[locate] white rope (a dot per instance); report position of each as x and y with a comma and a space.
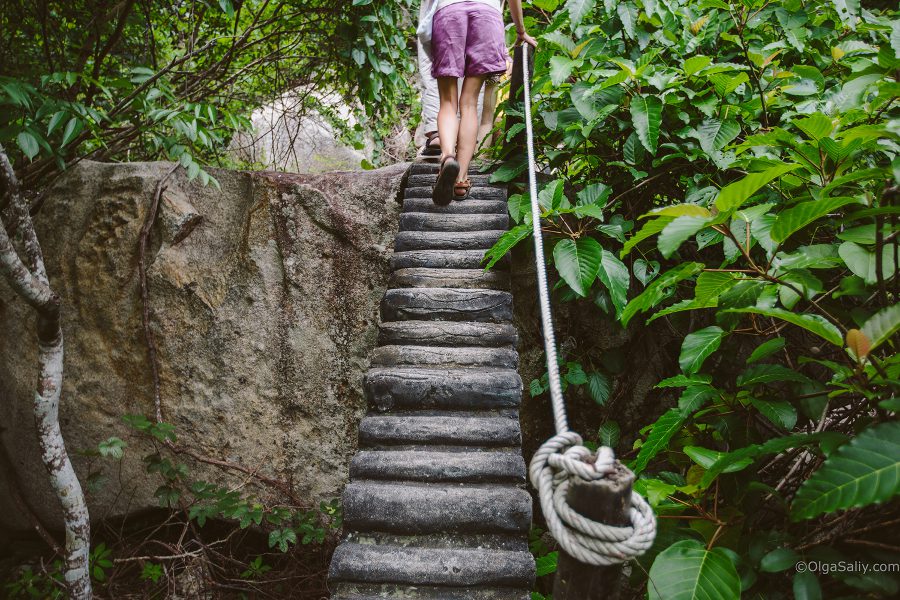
564, 456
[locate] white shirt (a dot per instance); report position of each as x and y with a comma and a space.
495, 4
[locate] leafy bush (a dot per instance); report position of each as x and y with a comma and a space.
731, 168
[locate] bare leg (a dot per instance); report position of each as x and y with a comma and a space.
468, 123
448, 122
489, 107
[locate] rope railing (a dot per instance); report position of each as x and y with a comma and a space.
564, 457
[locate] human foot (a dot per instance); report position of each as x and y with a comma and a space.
444, 188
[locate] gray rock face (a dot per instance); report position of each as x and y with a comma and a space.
264, 303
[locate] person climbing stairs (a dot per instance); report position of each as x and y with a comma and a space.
436, 507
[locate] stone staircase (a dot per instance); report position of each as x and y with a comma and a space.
437, 507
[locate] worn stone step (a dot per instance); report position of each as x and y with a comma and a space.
351, 591
459, 570
446, 240
443, 304
444, 356
431, 168
450, 278
455, 389
429, 179
433, 466
410, 508
411, 429
470, 206
447, 333
425, 221
477, 193
443, 259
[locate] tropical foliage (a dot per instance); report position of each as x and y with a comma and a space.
730, 169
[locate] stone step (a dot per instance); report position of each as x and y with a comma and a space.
429, 179
447, 333
450, 278
446, 240
420, 429
352, 591
431, 168
433, 466
443, 259
444, 356
411, 508
453, 389
459, 570
442, 304
476, 193
425, 221
470, 206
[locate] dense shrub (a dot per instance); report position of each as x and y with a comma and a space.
729, 170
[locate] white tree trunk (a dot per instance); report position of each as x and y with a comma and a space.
31, 283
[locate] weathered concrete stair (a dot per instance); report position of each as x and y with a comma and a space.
436, 507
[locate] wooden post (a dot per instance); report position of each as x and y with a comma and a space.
605, 501
517, 97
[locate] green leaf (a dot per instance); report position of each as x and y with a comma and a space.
73, 128
778, 412
698, 346
881, 326
715, 134
28, 144
545, 565
649, 229
658, 288
677, 232
815, 126
646, 116
686, 570
660, 433
765, 373
862, 472
578, 262
806, 586
561, 69
713, 284
820, 326
779, 559
505, 244
609, 434
864, 262
766, 349
578, 9
799, 216
734, 195
695, 64
600, 387
614, 275
707, 458
694, 397
772, 446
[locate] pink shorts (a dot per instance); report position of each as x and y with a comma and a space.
468, 39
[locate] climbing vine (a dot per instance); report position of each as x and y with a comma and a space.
729, 170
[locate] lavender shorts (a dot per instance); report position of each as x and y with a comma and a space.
467, 40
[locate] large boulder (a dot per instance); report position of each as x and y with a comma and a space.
263, 302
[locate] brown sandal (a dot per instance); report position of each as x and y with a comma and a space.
431, 148
444, 187
462, 190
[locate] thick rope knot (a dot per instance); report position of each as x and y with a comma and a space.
554, 465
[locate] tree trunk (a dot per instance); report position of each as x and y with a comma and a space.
30, 282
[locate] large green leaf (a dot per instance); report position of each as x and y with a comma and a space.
677, 232
773, 446
686, 570
711, 284
864, 262
863, 472
732, 196
646, 116
560, 69
578, 262
649, 229
820, 326
505, 244
801, 215
614, 275
578, 9
882, 325
697, 347
660, 434
657, 289
715, 134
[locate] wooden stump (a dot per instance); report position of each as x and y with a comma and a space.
605, 501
